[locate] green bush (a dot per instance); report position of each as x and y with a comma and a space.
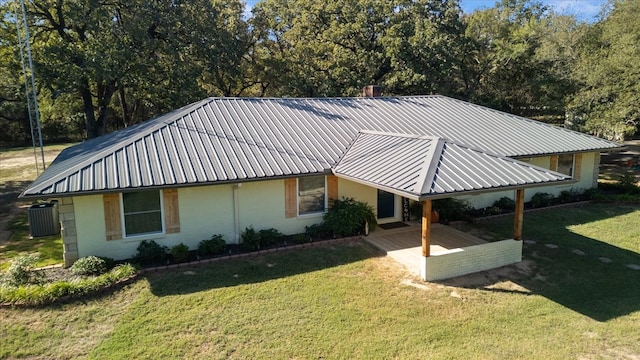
90, 265
300, 238
213, 246
317, 232
21, 271
250, 240
180, 253
451, 209
629, 183
270, 236
151, 253
541, 199
505, 203
38, 294
347, 217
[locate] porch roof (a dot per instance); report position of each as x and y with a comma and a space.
420, 167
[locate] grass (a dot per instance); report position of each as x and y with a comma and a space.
49, 247
346, 301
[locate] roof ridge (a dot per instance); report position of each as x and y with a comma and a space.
429, 166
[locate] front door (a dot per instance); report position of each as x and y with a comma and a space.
386, 204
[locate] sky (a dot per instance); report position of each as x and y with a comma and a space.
584, 10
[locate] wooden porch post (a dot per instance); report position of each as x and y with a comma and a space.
426, 227
519, 215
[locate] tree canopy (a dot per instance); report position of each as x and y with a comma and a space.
103, 65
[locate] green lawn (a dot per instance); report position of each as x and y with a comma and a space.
346, 301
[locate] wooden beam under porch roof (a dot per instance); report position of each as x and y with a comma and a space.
426, 227
519, 215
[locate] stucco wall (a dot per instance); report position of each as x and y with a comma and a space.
471, 259
204, 211
368, 195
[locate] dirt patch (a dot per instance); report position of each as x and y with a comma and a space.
501, 278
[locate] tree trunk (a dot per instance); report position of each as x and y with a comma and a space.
96, 126
88, 109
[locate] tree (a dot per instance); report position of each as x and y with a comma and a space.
14, 119
334, 48
608, 72
130, 60
502, 70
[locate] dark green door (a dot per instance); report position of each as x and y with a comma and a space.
386, 204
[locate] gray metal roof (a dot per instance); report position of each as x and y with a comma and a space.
238, 139
419, 167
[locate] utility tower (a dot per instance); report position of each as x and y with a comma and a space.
24, 45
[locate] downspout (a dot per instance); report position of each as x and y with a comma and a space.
236, 212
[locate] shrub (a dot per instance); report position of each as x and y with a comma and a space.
451, 209
541, 199
270, 236
629, 183
347, 217
213, 246
90, 265
180, 253
250, 239
21, 271
316, 232
151, 253
505, 203
300, 238
37, 294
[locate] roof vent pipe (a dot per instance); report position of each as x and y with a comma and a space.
372, 91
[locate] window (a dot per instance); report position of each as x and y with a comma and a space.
311, 195
142, 212
565, 164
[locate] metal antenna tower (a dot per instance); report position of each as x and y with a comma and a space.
29, 83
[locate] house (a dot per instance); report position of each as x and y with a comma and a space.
222, 164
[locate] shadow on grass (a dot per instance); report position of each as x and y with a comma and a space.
259, 268
573, 270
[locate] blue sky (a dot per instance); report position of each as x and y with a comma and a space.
584, 10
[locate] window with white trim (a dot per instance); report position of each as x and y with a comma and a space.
312, 195
565, 164
142, 212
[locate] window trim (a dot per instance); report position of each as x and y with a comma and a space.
142, 235
326, 199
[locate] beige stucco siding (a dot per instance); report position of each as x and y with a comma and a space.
368, 195
204, 211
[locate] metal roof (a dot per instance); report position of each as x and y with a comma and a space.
239, 139
419, 167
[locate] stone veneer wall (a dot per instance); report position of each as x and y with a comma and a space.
68, 230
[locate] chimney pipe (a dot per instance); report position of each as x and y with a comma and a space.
372, 91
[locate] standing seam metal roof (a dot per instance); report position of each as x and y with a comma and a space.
239, 139
418, 166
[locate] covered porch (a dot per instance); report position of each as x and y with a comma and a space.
423, 169
452, 252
